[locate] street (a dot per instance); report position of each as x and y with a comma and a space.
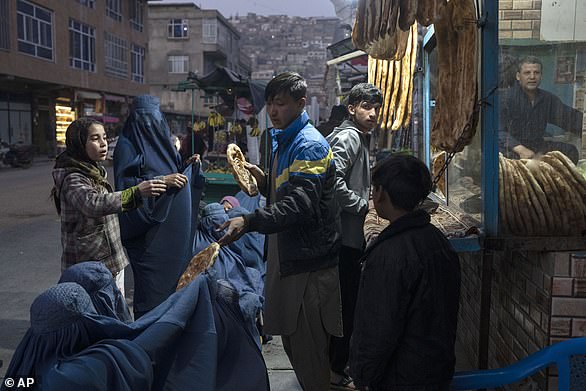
30, 248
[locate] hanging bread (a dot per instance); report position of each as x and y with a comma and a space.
456, 114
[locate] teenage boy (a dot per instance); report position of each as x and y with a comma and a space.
349, 143
302, 284
406, 313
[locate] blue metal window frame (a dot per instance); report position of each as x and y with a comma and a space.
489, 52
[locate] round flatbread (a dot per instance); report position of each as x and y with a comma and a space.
198, 264
243, 177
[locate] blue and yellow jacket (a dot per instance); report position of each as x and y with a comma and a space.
304, 213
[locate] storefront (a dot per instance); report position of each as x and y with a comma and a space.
15, 118
517, 218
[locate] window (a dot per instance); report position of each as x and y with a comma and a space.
137, 58
177, 28
82, 46
116, 50
35, 31
88, 3
210, 31
4, 25
114, 9
178, 64
137, 15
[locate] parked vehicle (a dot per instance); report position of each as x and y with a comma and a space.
17, 155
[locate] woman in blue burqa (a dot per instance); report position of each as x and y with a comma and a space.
158, 235
174, 344
197, 337
229, 265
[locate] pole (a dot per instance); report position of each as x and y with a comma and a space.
192, 122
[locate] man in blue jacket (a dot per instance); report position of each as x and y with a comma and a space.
302, 222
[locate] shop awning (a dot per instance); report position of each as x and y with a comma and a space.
346, 57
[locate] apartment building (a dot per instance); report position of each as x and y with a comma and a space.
186, 41
63, 59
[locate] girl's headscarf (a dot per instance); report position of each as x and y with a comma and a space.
98, 282
75, 158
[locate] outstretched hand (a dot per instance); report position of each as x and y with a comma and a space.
236, 228
152, 188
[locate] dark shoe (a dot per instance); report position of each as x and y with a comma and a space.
339, 382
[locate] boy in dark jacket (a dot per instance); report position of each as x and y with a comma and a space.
406, 313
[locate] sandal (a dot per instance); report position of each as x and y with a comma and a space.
343, 383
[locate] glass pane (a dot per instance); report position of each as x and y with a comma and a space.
541, 104
20, 24
25, 8
4, 136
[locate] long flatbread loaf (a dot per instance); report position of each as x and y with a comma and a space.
243, 177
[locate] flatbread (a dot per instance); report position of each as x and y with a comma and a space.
198, 264
243, 177
539, 197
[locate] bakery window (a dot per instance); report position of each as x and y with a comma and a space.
457, 175
64, 115
541, 87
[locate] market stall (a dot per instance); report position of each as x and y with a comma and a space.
517, 219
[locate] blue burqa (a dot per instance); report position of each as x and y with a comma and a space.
158, 235
241, 365
250, 247
97, 281
229, 266
178, 336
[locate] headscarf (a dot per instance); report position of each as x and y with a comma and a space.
147, 134
98, 282
75, 159
232, 200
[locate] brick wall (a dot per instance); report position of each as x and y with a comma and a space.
538, 299
469, 314
520, 307
568, 303
519, 19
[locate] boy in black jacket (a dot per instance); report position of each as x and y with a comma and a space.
406, 314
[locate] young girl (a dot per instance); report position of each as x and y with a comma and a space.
88, 207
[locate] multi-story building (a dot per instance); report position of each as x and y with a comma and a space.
185, 38
62, 59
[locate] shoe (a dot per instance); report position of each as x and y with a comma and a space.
339, 382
